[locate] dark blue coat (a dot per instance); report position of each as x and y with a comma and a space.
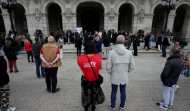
4, 78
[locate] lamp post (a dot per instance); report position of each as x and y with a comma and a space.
9, 5
168, 5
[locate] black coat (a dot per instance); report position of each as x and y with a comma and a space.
165, 41
36, 47
4, 78
173, 68
10, 52
106, 42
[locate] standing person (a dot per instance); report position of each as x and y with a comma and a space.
120, 62
36, 47
98, 44
4, 86
28, 47
147, 41
129, 41
88, 79
151, 40
78, 44
159, 41
135, 44
165, 43
170, 74
50, 56
2, 44
11, 55
106, 42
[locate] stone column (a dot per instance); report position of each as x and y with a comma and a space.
134, 23
170, 24
148, 22
110, 22
32, 24
44, 25
69, 21
7, 22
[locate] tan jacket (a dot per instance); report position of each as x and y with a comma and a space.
50, 53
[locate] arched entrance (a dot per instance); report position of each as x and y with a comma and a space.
20, 19
54, 17
158, 19
125, 17
90, 16
181, 22
2, 26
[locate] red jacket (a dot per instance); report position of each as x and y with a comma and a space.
28, 46
84, 64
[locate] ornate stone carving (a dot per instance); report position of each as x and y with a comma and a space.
37, 14
151, 3
141, 15
67, 1
36, 1
68, 14
111, 14
112, 2
27, 3
143, 2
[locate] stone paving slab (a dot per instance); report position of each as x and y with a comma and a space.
143, 90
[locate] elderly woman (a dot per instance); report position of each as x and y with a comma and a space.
11, 55
86, 62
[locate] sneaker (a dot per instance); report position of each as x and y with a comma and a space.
122, 109
16, 71
162, 106
170, 106
11, 109
111, 109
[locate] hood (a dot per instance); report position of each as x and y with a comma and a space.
120, 49
174, 56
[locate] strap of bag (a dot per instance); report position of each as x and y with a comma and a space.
92, 67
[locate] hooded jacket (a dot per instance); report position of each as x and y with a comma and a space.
173, 68
120, 62
4, 78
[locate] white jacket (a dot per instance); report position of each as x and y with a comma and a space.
120, 61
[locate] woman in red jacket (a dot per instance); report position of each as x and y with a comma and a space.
88, 77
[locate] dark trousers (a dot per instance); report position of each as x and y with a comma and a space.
135, 50
38, 64
51, 78
78, 51
164, 50
29, 53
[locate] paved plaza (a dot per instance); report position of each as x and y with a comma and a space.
28, 93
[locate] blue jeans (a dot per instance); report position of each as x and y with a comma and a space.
2, 52
164, 50
114, 93
38, 64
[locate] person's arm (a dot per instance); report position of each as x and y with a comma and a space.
43, 59
131, 64
56, 59
109, 64
166, 71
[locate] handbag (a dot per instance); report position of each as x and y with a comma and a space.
100, 97
100, 79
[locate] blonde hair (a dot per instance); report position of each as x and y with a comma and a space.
8, 42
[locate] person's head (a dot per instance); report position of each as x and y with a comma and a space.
97, 37
177, 45
37, 39
164, 35
120, 39
96, 33
174, 51
8, 42
51, 39
90, 47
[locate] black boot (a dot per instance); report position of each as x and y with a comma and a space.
93, 108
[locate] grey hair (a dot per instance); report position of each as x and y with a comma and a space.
51, 39
120, 39
175, 50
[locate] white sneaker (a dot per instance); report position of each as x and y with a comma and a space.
111, 109
122, 109
162, 106
176, 87
11, 109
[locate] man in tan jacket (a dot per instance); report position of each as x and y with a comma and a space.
50, 56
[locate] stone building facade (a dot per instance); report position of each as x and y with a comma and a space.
130, 15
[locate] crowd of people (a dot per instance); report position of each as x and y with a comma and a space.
46, 55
